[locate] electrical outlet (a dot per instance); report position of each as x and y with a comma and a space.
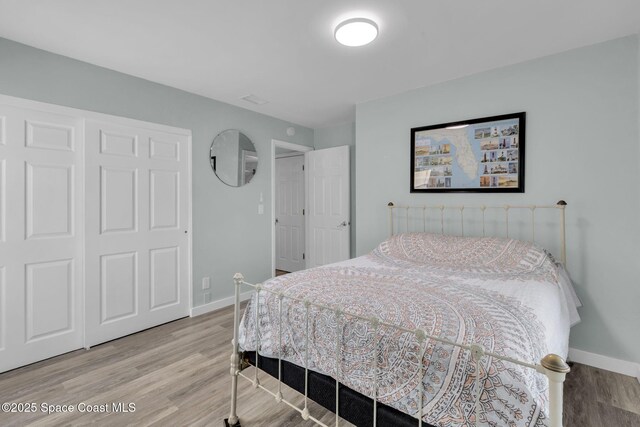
206, 283
207, 297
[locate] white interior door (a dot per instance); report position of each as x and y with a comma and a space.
290, 213
137, 247
40, 235
328, 195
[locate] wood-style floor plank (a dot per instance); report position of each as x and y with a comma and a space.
178, 374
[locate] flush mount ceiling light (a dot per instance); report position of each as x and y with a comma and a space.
356, 32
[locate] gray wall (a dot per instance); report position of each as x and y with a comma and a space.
582, 146
228, 234
336, 136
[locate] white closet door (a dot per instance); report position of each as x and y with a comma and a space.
40, 235
137, 216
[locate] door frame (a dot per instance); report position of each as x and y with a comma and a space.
289, 146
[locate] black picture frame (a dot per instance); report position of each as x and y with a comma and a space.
503, 180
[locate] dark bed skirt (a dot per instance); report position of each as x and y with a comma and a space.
354, 407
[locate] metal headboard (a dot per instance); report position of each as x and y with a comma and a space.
424, 212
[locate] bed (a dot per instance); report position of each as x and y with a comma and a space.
427, 329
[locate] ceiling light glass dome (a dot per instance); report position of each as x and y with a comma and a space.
356, 32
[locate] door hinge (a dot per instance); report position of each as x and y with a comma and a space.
302, 255
302, 167
302, 211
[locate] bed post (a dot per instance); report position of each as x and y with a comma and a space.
233, 420
556, 369
563, 238
390, 205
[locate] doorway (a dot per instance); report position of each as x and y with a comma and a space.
288, 206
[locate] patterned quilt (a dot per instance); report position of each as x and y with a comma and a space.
503, 294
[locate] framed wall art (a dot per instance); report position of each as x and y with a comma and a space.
478, 155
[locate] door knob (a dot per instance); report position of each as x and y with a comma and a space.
343, 224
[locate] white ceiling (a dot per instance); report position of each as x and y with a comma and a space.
284, 51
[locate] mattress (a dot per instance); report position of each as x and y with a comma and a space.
509, 296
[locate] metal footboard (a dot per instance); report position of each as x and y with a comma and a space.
553, 366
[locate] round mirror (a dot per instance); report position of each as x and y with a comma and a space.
233, 158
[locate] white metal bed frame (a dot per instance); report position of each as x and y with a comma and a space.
551, 365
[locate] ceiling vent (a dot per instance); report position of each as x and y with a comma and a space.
254, 99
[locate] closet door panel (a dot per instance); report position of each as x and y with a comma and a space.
164, 199
137, 264
49, 294
49, 200
118, 199
40, 247
118, 286
165, 277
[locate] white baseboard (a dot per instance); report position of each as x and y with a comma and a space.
218, 304
605, 362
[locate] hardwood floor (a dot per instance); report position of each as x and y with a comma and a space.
178, 374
